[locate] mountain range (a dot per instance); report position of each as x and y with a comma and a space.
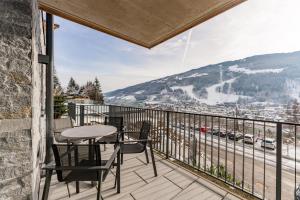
262, 78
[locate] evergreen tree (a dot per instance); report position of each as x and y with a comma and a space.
59, 100
81, 90
73, 87
93, 91
98, 92
60, 107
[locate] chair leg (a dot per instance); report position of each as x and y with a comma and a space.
122, 158
77, 187
99, 191
118, 173
47, 185
76, 163
99, 186
146, 153
115, 185
68, 190
153, 160
69, 153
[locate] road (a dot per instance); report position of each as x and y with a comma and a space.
253, 177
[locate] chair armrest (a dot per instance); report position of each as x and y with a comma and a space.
104, 142
129, 141
131, 132
112, 158
66, 168
52, 166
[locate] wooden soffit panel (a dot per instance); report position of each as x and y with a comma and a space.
143, 22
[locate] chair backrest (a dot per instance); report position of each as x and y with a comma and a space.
115, 121
145, 131
73, 155
62, 123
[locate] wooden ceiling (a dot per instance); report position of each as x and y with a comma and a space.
143, 22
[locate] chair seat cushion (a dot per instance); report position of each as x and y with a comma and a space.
132, 148
84, 175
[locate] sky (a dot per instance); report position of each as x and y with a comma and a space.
251, 28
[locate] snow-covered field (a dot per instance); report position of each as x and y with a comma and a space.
236, 68
188, 90
139, 92
196, 75
293, 89
213, 95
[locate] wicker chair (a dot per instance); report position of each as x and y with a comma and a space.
140, 145
81, 162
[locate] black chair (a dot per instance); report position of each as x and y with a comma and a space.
139, 145
119, 135
81, 162
59, 126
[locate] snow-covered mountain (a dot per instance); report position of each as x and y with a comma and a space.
263, 78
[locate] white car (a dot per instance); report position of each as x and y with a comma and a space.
249, 139
268, 143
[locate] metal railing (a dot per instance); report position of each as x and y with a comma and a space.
87, 114
216, 145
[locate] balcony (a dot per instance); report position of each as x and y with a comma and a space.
209, 146
138, 182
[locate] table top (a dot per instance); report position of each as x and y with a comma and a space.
89, 132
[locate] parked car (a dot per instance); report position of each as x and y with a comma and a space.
203, 130
235, 136
215, 131
268, 143
248, 138
211, 131
221, 133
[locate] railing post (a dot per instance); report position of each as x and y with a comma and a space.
81, 122
278, 159
110, 110
72, 110
168, 134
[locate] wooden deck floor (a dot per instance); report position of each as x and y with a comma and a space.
138, 183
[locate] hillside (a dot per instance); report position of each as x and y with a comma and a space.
262, 78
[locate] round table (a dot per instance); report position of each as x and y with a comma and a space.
89, 132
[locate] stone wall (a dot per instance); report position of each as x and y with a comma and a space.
22, 97
16, 163
15, 58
